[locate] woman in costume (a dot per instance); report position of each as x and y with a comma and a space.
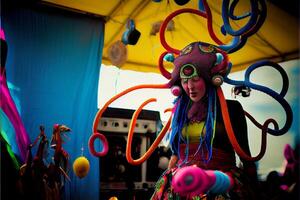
198, 135
205, 130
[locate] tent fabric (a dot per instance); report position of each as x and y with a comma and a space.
277, 40
53, 60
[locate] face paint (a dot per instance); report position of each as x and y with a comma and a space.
194, 87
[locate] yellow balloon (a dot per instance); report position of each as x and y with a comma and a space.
81, 166
113, 198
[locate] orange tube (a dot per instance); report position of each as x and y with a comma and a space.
100, 112
130, 136
231, 135
95, 135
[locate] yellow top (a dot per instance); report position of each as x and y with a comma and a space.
193, 131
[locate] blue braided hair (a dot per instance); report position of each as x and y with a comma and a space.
182, 105
210, 123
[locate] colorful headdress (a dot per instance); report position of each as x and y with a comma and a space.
208, 60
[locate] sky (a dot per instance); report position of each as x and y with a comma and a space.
114, 80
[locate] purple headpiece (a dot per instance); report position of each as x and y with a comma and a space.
208, 60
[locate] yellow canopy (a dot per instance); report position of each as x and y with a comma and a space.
277, 39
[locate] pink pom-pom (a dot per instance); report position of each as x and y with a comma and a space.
192, 180
176, 90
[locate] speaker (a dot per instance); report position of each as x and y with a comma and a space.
115, 171
117, 176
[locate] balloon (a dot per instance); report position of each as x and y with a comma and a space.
81, 167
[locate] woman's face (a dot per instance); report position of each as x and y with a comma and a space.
194, 87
